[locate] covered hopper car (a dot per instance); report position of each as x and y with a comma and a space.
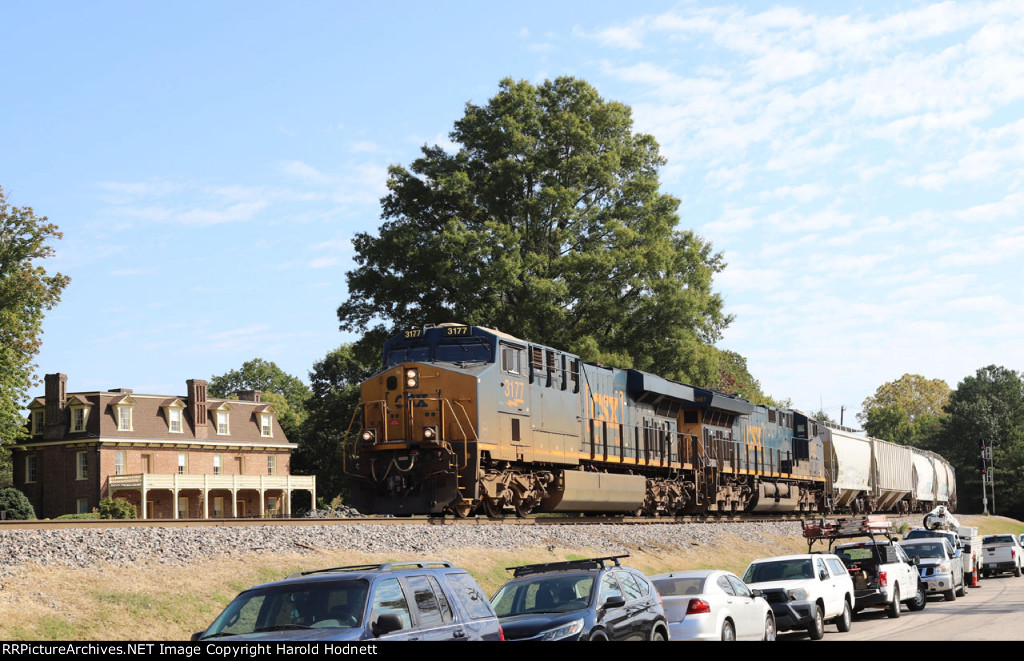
464, 419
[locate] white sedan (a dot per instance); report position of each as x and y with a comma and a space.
711, 604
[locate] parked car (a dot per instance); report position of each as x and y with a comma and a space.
711, 604
1003, 553
805, 591
941, 566
592, 599
392, 601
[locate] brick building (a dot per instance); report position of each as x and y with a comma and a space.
172, 457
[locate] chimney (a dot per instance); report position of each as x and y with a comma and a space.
197, 406
56, 405
249, 395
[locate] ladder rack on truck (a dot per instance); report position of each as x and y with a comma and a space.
831, 530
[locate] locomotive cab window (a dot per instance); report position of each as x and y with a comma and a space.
511, 359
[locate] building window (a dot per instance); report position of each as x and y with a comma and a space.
271, 464
266, 424
82, 466
82, 506
182, 463
216, 464
77, 419
119, 463
31, 464
124, 418
222, 423
38, 422
174, 420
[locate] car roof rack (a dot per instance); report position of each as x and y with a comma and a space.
385, 566
831, 530
588, 563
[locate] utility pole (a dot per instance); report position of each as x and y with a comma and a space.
987, 466
983, 465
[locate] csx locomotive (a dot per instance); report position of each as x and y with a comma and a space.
464, 419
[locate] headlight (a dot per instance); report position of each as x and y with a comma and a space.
412, 378
430, 433
798, 594
571, 629
368, 435
941, 569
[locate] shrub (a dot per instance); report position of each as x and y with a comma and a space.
87, 515
117, 508
15, 504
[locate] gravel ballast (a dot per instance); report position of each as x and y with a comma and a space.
97, 547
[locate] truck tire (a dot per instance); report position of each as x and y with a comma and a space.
962, 592
920, 600
1016, 572
844, 621
894, 608
816, 629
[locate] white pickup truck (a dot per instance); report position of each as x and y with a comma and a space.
883, 575
805, 591
1002, 554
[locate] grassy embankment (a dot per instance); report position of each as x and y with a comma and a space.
159, 602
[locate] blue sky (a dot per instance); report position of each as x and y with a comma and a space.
859, 165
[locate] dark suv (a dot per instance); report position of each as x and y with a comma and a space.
594, 599
393, 601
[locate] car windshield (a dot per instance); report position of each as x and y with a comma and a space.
778, 570
544, 594
310, 605
933, 550
675, 587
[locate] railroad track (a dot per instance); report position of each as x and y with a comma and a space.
70, 524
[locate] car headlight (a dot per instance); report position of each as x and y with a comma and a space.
798, 594
941, 569
564, 631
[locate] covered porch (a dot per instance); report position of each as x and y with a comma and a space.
179, 496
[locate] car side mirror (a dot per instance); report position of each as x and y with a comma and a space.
197, 635
823, 575
386, 623
614, 602
958, 553
756, 592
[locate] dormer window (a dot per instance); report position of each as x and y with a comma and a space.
266, 424
38, 422
222, 418
79, 413
173, 411
123, 413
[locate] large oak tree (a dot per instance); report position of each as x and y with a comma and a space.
545, 221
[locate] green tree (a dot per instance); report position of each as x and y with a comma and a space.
27, 291
15, 505
287, 393
334, 382
906, 410
546, 223
987, 408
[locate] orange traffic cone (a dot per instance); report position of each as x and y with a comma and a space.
974, 578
